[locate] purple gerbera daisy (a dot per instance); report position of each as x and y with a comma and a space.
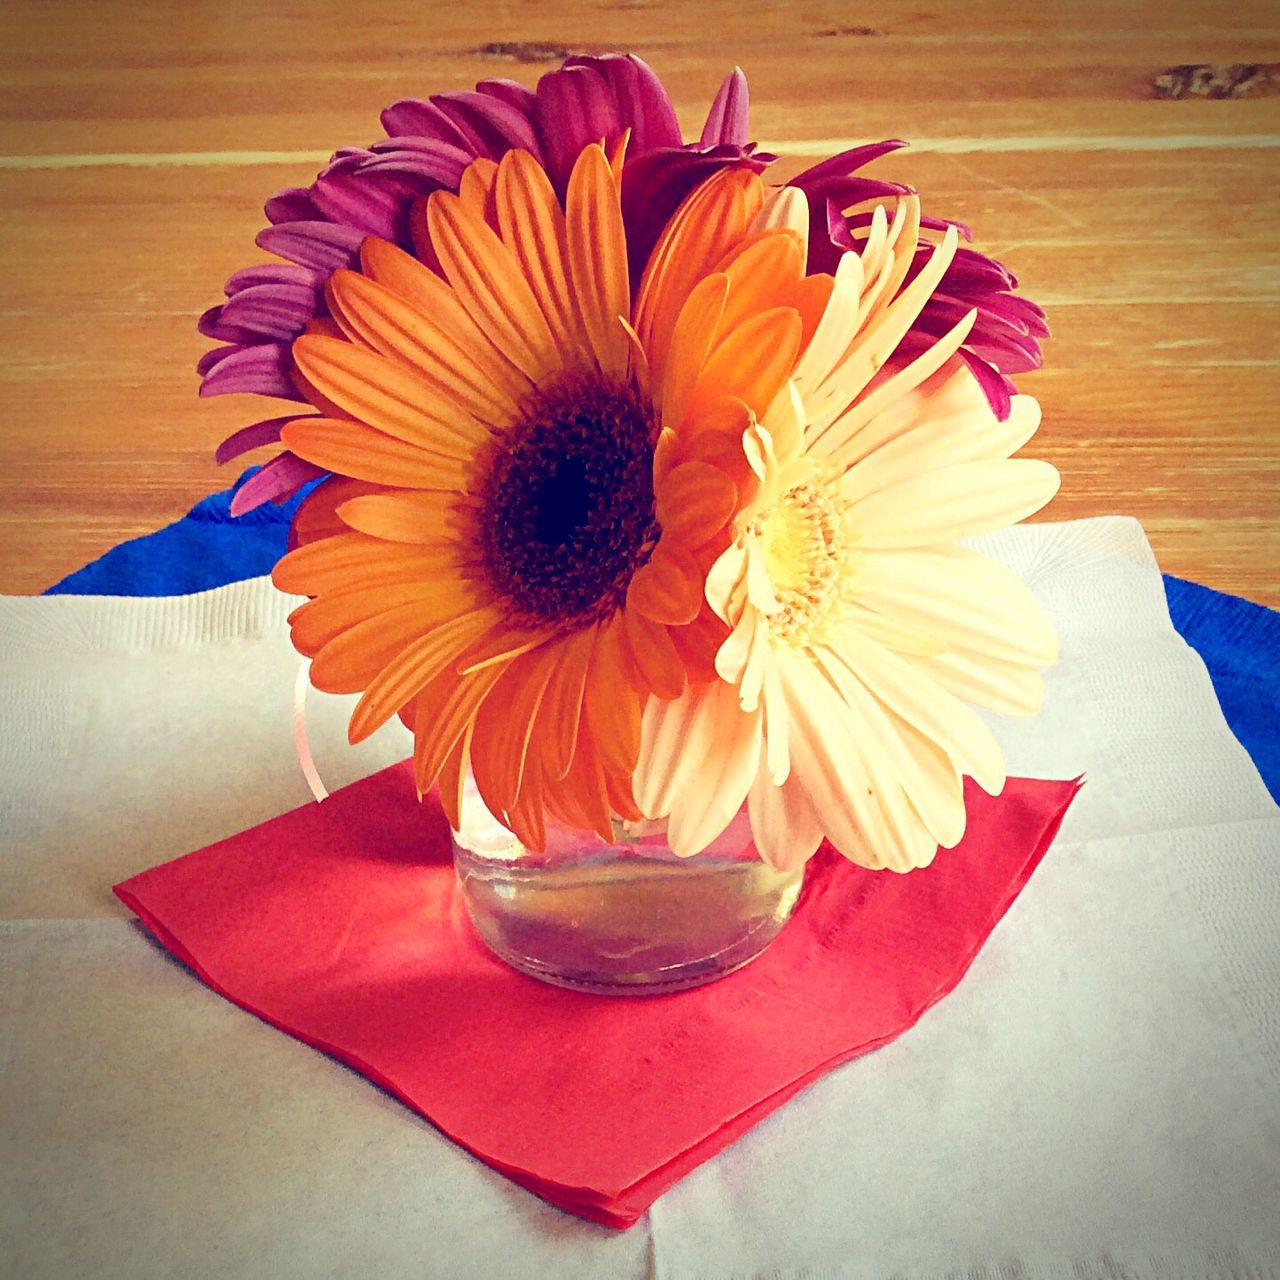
381, 190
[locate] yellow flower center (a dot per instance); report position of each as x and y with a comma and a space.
805, 554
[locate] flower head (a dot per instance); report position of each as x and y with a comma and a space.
533, 487
644, 478
381, 191
859, 628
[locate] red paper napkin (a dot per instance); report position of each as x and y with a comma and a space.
340, 924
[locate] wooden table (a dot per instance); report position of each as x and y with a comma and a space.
1137, 199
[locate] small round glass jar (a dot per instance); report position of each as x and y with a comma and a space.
621, 918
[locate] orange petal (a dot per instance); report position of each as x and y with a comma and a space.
667, 589
695, 334
317, 516
611, 700
431, 297
352, 449
621, 797
809, 298
586, 789
445, 711
653, 654
408, 517
388, 397
712, 219
349, 560
412, 667
561, 709
355, 656
618, 156
698, 643
752, 362
505, 722
533, 229
527, 815
476, 190
419, 343
694, 502
490, 285
759, 269
452, 776
316, 623
597, 246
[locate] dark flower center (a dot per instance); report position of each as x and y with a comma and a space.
568, 511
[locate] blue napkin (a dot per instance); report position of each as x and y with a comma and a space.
1239, 641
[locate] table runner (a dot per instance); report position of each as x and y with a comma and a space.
1098, 1097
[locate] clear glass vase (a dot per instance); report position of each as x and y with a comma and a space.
621, 918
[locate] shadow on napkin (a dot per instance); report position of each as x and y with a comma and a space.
340, 924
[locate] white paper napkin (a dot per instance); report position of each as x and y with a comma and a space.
1101, 1095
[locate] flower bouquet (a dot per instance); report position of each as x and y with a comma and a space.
642, 485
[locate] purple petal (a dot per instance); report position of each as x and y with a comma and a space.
843, 164
272, 310
996, 387
942, 224
320, 245
491, 127
293, 204
283, 475
264, 370
214, 356
372, 203
439, 163
847, 192
970, 273
643, 104
575, 109
211, 325
413, 118
654, 185
991, 338
272, 273
251, 437
727, 119
1021, 311
514, 94
343, 162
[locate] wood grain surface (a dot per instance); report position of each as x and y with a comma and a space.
1123, 159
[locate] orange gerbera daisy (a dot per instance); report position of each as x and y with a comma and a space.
532, 479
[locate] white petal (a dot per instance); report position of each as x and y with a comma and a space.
892, 389
731, 657
969, 436
836, 328
759, 588
664, 769
776, 730
783, 824
952, 391
953, 503
908, 692
784, 208
725, 742
930, 781
879, 339
1009, 688
966, 599
724, 576
825, 760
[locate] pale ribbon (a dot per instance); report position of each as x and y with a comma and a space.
301, 740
